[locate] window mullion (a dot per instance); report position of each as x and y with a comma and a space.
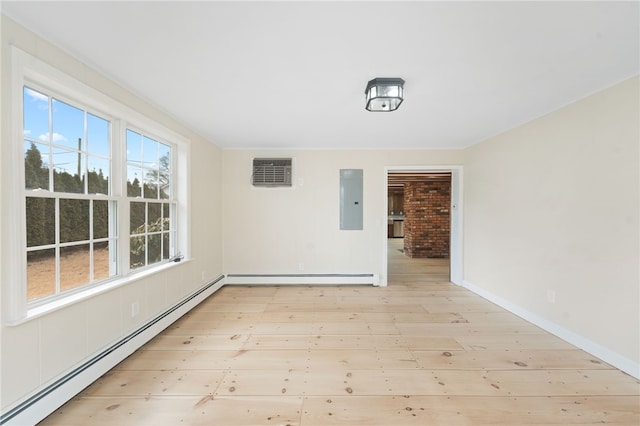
49, 146
57, 242
91, 259
114, 238
119, 188
84, 153
173, 229
146, 230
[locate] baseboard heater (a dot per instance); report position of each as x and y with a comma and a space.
302, 279
64, 388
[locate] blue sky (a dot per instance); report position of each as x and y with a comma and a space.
51, 122
63, 129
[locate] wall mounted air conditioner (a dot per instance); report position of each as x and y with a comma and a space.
271, 172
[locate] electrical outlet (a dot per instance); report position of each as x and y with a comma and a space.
204, 275
301, 266
135, 309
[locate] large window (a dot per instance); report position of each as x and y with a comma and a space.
95, 199
99, 202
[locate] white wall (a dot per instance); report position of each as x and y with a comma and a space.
37, 351
273, 231
552, 207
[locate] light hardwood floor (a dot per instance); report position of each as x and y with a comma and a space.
420, 352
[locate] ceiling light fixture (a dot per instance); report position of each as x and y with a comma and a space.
384, 94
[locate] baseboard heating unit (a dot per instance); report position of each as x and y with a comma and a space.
302, 279
44, 402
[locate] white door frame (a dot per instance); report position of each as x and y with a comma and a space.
455, 243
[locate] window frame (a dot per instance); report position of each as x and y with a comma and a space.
171, 201
27, 70
50, 193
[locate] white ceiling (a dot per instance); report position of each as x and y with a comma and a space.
292, 74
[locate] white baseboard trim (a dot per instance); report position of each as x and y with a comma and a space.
607, 355
36, 407
302, 279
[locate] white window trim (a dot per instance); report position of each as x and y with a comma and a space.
25, 68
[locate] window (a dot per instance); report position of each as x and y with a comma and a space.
151, 229
97, 192
69, 212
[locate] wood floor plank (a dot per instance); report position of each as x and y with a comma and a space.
344, 342
428, 343
203, 328
203, 342
285, 328
300, 296
258, 410
494, 318
336, 328
508, 359
121, 383
123, 411
298, 359
289, 382
350, 308
235, 296
288, 317
236, 307
178, 360
199, 314
327, 360
278, 341
470, 331
512, 341
379, 328
355, 316
381, 381
249, 290
459, 304
379, 317
455, 410
206, 411
564, 382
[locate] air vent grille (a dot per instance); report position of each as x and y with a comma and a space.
271, 172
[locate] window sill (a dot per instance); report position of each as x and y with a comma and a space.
54, 305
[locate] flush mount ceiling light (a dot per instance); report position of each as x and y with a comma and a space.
384, 94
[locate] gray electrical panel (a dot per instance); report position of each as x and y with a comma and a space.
351, 199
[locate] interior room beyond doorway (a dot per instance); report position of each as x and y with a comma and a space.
419, 221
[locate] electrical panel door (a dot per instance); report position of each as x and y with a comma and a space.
351, 199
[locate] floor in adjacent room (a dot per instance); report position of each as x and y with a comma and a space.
420, 351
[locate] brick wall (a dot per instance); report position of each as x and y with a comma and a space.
427, 223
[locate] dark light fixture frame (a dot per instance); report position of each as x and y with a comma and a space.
384, 94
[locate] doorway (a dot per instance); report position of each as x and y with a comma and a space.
399, 176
